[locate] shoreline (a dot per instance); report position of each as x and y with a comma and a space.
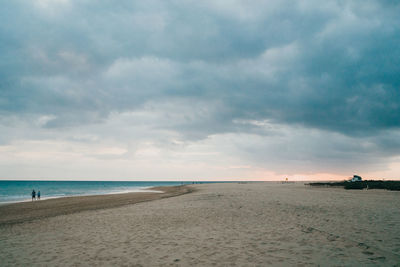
20, 212
138, 190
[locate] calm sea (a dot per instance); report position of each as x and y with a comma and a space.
18, 191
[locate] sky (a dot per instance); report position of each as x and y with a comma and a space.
199, 90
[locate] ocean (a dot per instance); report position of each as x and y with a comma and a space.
19, 191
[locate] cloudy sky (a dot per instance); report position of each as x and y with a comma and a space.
208, 90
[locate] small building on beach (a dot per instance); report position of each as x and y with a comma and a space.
356, 178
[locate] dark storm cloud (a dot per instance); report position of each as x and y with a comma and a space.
332, 66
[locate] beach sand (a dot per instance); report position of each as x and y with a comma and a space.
29, 211
251, 224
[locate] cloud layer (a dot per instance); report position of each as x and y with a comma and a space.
278, 87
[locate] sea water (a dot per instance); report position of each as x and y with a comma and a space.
19, 191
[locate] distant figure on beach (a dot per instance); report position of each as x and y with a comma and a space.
33, 194
38, 195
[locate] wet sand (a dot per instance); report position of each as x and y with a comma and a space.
253, 224
39, 209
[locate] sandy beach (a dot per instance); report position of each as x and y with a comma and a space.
29, 211
250, 224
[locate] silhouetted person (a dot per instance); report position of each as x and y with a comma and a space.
38, 195
33, 194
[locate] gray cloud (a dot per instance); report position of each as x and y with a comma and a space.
202, 69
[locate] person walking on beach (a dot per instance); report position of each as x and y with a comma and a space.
38, 195
33, 194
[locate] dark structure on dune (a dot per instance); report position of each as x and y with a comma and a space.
356, 182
